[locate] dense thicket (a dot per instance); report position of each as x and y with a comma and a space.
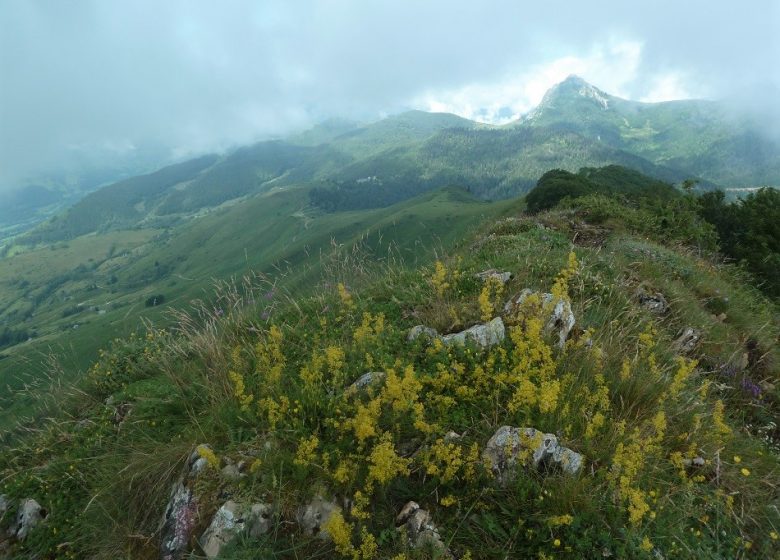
749, 232
615, 180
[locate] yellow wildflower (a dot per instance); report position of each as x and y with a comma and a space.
384, 463
340, 532
438, 280
307, 451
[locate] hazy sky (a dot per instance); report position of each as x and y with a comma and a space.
112, 77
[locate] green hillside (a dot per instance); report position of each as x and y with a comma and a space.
73, 298
700, 138
654, 411
357, 166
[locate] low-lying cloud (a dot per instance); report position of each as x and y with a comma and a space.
93, 79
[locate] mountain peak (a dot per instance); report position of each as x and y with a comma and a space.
572, 89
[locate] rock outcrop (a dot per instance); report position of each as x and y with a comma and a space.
365, 381
687, 340
486, 275
180, 514
420, 529
559, 318
230, 521
512, 447
654, 302
313, 517
28, 517
483, 335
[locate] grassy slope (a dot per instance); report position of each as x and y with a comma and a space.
275, 232
634, 498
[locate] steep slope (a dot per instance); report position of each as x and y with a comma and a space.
701, 138
638, 437
75, 297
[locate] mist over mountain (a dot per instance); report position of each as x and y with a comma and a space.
351, 165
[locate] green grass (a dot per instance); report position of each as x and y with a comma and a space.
274, 233
183, 386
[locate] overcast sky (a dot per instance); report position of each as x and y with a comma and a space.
114, 77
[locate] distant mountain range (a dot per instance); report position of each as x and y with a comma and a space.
347, 165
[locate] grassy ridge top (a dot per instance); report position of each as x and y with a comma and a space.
74, 297
680, 452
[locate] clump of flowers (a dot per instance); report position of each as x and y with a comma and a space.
439, 279
307, 451
237, 379
491, 291
383, 462
207, 453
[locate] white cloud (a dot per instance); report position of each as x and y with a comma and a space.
612, 66
667, 87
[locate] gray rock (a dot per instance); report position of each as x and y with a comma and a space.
366, 380
230, 521
484, 335
420, 529
259, 520
486, 275
695, 462
510, 446
226, 524
231, 472
181, 512
421, 330
121, 413
654, 302
560, 319
313, 516
687, 340
30, 514
5, 504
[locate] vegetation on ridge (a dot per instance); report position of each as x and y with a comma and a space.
267, 383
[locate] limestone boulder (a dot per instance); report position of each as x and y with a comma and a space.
314, 516
420, 530
511, 448
557, 312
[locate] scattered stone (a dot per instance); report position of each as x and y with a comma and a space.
226, 524
484, 335
654, 302
180, 514
121, 413
231, 472
686, 341
366, 380
510, 446
259, 520
29, 516
452, 436
4, 505
486, 275
314, 516
231, 520
695, 462
421, 330
420, 529
561, 317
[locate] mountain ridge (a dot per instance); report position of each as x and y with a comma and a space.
368, 165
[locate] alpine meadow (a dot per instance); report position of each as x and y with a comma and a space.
380, 280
